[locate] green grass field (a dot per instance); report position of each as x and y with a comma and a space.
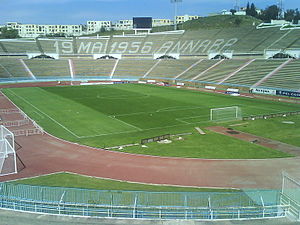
111, 115
78, 181
83, 191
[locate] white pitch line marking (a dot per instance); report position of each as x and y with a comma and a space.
45, 114
128, 124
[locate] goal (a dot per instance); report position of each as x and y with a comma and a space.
225, 114
8, 162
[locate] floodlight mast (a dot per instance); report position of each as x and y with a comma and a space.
175, 2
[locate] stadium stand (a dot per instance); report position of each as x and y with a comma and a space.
52, 46
97, 46
272, 73
48, 68
295, 44
254, 72
196, 70
219, 72
158, 40
286, 78
135, 68
91, 68
288, 40
12, 68
263, 39
170, 68
20, 46
247, 40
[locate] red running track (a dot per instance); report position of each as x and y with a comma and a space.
43, 154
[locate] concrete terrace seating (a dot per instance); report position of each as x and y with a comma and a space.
92, 68
135, 68
20, 46
158, 41
12, 68
270, 37
287, 78
170, 68
222, 70
295, 44
197, 69
54, 46
273, 73
255, 40
48, 68
289, 40
249, 39
254, 72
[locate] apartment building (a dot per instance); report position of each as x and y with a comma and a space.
124, 25
96, 26
161, 22
35, 30
182, 19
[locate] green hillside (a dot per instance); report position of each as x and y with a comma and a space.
214, 22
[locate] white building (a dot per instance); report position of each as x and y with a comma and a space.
124, 25
34, 30
182, 19
161, 22
280, 22
95, 26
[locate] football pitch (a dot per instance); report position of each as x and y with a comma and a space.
111, 115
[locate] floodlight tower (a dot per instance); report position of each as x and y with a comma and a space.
281, 9
237, 5
175, 2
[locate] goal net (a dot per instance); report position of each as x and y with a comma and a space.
225, 114
8, 162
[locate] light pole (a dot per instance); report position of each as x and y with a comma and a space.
175, 2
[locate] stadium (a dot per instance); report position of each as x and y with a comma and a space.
215, 109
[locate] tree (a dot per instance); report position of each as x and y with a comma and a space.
233, 11
102, 29
296, 17
8, 33
270, 13
252, 11
248, 9
289, 15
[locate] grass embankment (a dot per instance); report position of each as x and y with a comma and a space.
213, 22
78, 181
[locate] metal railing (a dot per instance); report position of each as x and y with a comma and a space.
146, 205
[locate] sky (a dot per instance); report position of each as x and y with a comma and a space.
80, 11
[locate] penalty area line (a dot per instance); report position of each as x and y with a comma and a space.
128, 124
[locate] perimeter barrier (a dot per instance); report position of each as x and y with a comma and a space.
271, 115
146, 205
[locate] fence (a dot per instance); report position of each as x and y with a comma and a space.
15, 123
27, 132
151, 205
9, 111
271, 115
291, 194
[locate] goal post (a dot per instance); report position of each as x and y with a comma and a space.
225, 114
8, 158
